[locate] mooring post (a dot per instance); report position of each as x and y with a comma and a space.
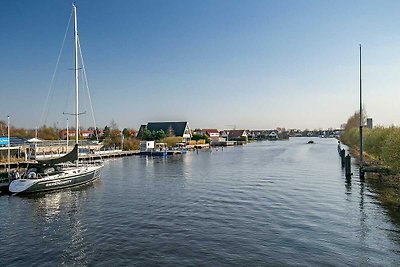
342, 156
362, 173
348, 166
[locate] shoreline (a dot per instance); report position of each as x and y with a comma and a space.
385, 185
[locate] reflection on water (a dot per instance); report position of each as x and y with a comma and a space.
266, 203
61, 231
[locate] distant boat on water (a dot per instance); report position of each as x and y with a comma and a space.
60, 172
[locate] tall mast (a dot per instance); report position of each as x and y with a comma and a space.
67, 134
76, 77
8, 145
361, 118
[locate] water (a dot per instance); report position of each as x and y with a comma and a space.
267, 203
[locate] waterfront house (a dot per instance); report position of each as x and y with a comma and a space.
211, 133
140, 131
273, 135
214, 136
238, 135
171, 129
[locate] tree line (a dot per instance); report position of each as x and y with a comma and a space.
111, 135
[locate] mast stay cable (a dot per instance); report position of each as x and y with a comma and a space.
87, 88
46, 105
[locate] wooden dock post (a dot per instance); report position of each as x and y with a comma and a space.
348, 166
362, 173
343, 157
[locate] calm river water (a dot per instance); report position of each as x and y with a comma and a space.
266, 203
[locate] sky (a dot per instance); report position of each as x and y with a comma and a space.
214, 63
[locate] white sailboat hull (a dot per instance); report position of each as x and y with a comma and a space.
68, 178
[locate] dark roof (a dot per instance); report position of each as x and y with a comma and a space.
141, 129
235, 133
178, 127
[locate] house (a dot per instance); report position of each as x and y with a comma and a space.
273, 135
140, 131
238, 135
197, 131
173, 128
211, 132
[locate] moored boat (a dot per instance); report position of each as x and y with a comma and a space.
66, 171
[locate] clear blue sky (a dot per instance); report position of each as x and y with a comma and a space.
253, 64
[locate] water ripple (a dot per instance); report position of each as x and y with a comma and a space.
266, 203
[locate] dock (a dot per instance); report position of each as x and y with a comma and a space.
163, 153
82, 157
108, 154
4, 182
376, 169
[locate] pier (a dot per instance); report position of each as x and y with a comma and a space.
109, 154
82, 157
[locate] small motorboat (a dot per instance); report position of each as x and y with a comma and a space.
310, 142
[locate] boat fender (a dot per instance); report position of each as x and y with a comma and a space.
32, 175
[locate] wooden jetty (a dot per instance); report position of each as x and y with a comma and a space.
365, 168
82, 157
163, 153
376, 169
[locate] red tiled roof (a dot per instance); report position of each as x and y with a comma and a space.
211, 130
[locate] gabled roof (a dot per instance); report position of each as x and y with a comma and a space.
235, 133
178, 127
211, 131
141, 129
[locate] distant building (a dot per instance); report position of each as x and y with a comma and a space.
71, 134
273, 135
237, 135
211, 132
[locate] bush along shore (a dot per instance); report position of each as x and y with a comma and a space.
381, 151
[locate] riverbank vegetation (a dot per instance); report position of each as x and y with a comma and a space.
110, 136
379, 143
381, 146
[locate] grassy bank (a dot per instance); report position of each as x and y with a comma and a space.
380, 144
381, 147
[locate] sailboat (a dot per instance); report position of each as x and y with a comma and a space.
54, 174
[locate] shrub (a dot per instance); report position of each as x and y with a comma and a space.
374, 140
171, 141
391, 149
131, 144
351, 137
